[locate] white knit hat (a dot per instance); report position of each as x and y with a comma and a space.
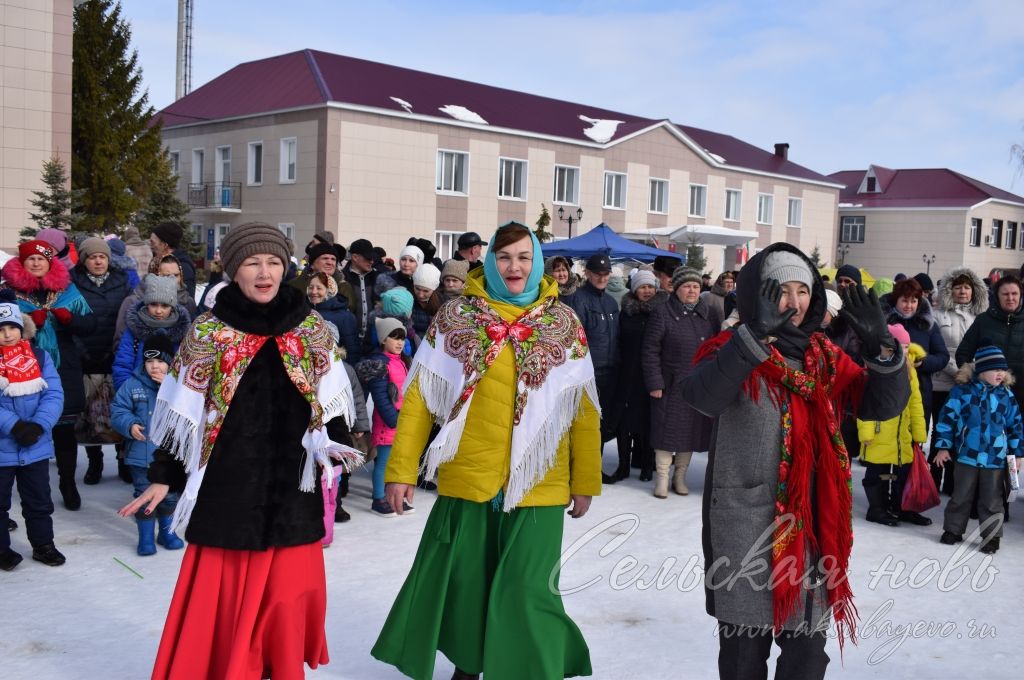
833, 302
413, 252
427, 276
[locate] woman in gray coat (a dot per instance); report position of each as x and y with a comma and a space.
674, 332
777, 505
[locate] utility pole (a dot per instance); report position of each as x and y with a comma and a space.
183, 69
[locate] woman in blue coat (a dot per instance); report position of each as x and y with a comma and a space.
322, 293
907, 307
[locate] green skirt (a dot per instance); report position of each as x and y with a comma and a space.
478, 591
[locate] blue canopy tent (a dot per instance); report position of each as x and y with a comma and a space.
604, 239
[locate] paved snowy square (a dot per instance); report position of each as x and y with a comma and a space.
923, 613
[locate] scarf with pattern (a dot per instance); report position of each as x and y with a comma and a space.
553, 372
194, 398
814, 495
20, 373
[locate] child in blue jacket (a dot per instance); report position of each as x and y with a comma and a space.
130, 414
982, 424
158, 314
31, 402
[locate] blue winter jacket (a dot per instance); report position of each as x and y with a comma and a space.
133, 405
980, 424
43, 408
336, 311
128, 356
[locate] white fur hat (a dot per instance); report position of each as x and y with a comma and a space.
427, 276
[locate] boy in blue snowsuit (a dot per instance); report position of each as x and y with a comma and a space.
982, 423
130, 414
31, 402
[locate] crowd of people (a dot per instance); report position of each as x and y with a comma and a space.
781, 376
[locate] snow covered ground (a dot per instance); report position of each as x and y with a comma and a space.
924, 613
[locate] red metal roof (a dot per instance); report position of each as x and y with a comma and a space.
310, 78
919, 188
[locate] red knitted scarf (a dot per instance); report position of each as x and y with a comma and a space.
820, 520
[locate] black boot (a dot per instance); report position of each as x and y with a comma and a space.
65, 449
94, 472
991, 546
9, 560
914, 518
11, 524
69, 494
340, 514
48, 555
878, 505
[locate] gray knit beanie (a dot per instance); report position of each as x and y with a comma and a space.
683, 275
784, 266
642, 277
161, 290
253, 238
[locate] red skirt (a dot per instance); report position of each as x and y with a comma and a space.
241, 615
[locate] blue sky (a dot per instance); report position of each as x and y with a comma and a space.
847, 83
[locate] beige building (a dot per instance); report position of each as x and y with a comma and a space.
311, 140
35, 103
898, 220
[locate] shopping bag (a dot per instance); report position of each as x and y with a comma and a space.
919, 492
93, 425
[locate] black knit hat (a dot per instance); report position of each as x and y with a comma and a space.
925, 281
158, 346
170, 233
319, 250
850, 272
362, 247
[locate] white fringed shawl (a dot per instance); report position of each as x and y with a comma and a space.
553, 372
194, 398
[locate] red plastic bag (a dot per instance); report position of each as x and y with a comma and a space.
919, 493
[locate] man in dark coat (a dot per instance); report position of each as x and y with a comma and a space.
599, 314
362, 276
166, 240
469, 246
1003, 326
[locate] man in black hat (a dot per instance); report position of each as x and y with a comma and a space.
165, 239
599, 314
664, 266
362, 276
469, 246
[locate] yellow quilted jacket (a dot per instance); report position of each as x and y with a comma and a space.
891, 441
481, 465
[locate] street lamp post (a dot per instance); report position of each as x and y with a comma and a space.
928, 263
843, 250
570, 219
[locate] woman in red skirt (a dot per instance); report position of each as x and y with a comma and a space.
241, 412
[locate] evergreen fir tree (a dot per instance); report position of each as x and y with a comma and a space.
815, 257
695, 254
57, 207
115, 149
162, 203
542, 222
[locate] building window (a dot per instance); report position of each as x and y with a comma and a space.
220, 232
698, 200
197, 233
288, 229
996, 239
197, 166
765, 207
255, 172
974, 235
852, 230
222, 171
289, 154
659, 196
1011, 235
446, 243
795, 214
511, 178
451, 171
567, 185
872, 185
614, 190
174, 159
732, 204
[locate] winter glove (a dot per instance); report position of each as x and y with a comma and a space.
38, 317
26, 433
767, 317
62, 315
864, 314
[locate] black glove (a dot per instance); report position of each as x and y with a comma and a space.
864, 314
26, 433
767, 317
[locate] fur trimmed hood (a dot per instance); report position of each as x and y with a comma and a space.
18, 278
631, 305
979, 299
966, 374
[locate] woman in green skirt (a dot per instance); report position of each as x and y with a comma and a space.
506, 373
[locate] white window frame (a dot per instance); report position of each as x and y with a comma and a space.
703, 201
197, 168
764, 200
1010, 243
174, 158
439, 178
974, 233
996, 235
615, 188
575, 186
288, 229
524, 166
250, 171
446, 243
286, 143
219, 232
734, 214
663, 195
797, 203
846, 236
198, 232
219, 164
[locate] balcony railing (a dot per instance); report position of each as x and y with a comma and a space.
215, 195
